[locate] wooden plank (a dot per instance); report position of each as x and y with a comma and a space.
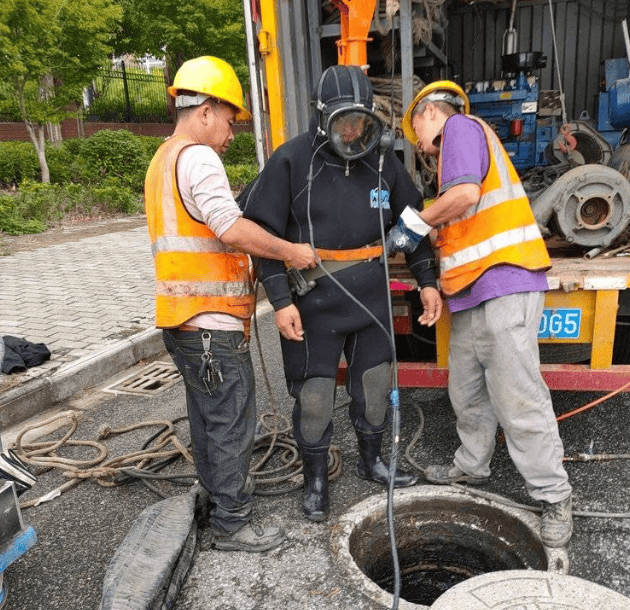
592, 272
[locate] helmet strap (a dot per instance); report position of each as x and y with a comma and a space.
443, 96
186, 101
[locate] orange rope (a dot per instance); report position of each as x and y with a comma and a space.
583, 408
590, 405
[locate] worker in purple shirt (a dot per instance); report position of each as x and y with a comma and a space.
492, 275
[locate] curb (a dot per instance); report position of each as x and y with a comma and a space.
40, 394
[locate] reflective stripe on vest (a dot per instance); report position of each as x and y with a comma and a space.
177, 243
500, 229
201, 289
195, 272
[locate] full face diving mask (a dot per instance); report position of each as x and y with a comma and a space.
353, 131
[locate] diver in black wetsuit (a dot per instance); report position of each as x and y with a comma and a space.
322, 187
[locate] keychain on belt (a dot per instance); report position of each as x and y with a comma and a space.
210, 371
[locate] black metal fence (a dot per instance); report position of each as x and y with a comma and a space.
127, 94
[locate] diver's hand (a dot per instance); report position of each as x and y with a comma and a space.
407, 233
431, 306
289, 323
302, 256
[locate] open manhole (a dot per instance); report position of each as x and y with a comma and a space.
154, 377
444, 536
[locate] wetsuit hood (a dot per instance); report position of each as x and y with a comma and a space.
343, 102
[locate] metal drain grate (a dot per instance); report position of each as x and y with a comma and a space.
154, 378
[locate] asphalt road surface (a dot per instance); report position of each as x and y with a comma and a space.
78, 533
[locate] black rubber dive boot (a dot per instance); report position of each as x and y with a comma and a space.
315, 470
371, 466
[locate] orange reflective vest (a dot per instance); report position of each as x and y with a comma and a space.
499, 230
195, 272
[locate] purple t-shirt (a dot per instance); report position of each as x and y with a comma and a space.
465, 160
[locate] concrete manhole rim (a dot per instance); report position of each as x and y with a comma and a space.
376, 505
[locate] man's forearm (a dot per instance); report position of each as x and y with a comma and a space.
452, 204
247, 236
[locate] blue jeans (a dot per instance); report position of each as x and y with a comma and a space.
222, 422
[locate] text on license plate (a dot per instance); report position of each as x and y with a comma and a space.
560, 323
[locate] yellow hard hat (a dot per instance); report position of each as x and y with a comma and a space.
440, 90
213, 77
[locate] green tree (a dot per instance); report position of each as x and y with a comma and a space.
49, 51
184, 29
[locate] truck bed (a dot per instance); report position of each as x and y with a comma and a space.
584, 297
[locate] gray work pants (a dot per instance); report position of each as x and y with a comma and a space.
494, 378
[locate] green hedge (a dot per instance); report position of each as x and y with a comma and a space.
102, 174
18, 161
106, 154
240, 175
242, 150
35, 206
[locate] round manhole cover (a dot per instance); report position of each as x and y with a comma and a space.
529, 590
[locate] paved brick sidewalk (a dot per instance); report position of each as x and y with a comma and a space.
78, 298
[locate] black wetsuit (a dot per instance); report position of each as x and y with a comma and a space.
341, 213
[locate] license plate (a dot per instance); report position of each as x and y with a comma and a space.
560, 323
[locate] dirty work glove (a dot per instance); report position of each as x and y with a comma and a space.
408, 233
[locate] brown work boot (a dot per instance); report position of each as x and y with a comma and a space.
445, 475
557, 523
250, 537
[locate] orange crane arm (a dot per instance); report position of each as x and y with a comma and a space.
356, 19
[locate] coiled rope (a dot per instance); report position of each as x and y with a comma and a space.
106, 472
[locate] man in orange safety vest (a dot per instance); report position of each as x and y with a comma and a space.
204, 293
492, 262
